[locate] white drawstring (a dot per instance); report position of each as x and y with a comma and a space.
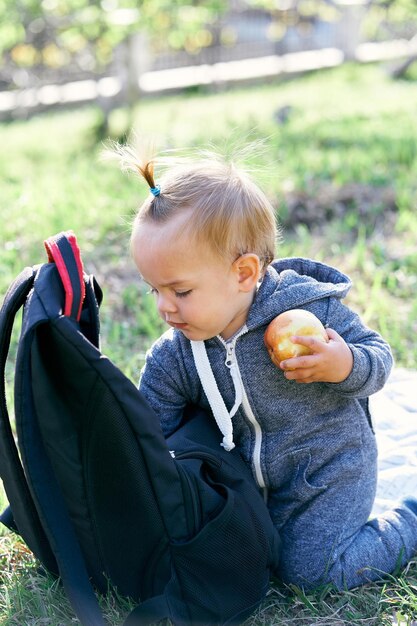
221, 414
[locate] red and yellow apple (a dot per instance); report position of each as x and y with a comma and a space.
288, 324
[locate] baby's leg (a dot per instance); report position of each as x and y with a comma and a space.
327, 535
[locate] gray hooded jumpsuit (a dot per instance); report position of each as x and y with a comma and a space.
311, 447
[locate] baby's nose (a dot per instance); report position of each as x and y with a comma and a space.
165, 305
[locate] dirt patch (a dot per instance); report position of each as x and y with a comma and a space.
327, 202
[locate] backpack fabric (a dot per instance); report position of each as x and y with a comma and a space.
95, 490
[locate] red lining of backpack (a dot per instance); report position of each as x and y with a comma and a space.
55, 256
72, 240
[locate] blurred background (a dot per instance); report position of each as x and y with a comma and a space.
320, 96
56, 52
327, 88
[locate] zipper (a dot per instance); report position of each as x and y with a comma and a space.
231, 361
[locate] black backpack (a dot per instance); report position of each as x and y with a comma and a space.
95, 490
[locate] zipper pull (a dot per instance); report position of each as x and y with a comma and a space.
230, 353
231, 363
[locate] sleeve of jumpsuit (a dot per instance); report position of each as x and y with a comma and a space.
161, 385
372, 357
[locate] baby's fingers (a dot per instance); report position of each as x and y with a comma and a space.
301, 375
334, 336
314, 344
299, 363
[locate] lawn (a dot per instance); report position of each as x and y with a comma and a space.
336, 152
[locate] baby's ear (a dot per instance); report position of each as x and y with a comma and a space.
248, 271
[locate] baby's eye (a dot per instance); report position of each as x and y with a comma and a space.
152, 291
183, 294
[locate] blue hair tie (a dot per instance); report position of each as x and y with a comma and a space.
155, 190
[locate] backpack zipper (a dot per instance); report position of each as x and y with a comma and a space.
230, 361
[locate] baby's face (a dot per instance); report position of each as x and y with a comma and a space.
196, 291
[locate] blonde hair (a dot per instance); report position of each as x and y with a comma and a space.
229, 211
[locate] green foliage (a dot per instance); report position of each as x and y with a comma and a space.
181, 25
85, 34
398, 9
56, 33
390, 19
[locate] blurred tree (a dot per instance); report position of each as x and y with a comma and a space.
389, 18
399, 17
39, 39
57, 33
54, 40
86, 32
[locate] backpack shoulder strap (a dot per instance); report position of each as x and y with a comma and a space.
23, 515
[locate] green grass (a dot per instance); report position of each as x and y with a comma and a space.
28, 598
342, 172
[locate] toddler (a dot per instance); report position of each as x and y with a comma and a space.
204, 241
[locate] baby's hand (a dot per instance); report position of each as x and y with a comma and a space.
330, 362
